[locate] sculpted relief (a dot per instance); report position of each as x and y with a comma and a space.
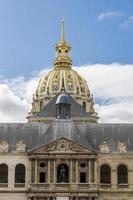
105, 148
62, 145
122, 147
20, 146
4, 146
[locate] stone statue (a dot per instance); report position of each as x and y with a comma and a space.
104, 147
4, 146
63, 174
20, 146
122, 147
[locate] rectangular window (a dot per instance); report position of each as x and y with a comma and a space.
82, 177
42, 178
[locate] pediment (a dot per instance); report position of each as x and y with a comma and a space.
62, 145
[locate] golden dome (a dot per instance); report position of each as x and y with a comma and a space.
62, 77
52, 83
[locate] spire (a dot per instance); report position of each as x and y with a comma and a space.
62, 30
62, 48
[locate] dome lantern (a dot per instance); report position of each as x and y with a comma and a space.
62, 49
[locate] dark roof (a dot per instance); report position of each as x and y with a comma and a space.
111, 133
63, 99
49, 110
89, 135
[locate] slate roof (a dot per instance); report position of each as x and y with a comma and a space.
50, 110
89, 135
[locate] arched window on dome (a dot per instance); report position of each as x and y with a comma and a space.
4, 174
41, 105
47, 90
82, 89
77, 90
122, 174
84, 105
20, 175
105, 174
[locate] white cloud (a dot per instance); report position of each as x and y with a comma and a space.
16, 96
127, 24
109, 15
116, 112
111, 85
12, 108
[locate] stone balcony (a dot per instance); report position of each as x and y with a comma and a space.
63, 187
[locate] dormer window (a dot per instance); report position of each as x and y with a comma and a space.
63, 106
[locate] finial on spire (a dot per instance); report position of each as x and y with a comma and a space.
62, 30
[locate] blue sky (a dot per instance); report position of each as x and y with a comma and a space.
101, 36
99, 31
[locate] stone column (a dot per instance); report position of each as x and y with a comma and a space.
11, 176
54, 172
32, 172
71, 172
95, 170
89, 164
77, 171
92, 170
130, 178
48, 171
114, 178
36, 171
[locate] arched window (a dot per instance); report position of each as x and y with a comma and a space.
105, 174
122, 174
84, 105
20, 173
82, 177
3, 173
62, 173
41, 105
42, 172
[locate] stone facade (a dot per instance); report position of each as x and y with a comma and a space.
79, 160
